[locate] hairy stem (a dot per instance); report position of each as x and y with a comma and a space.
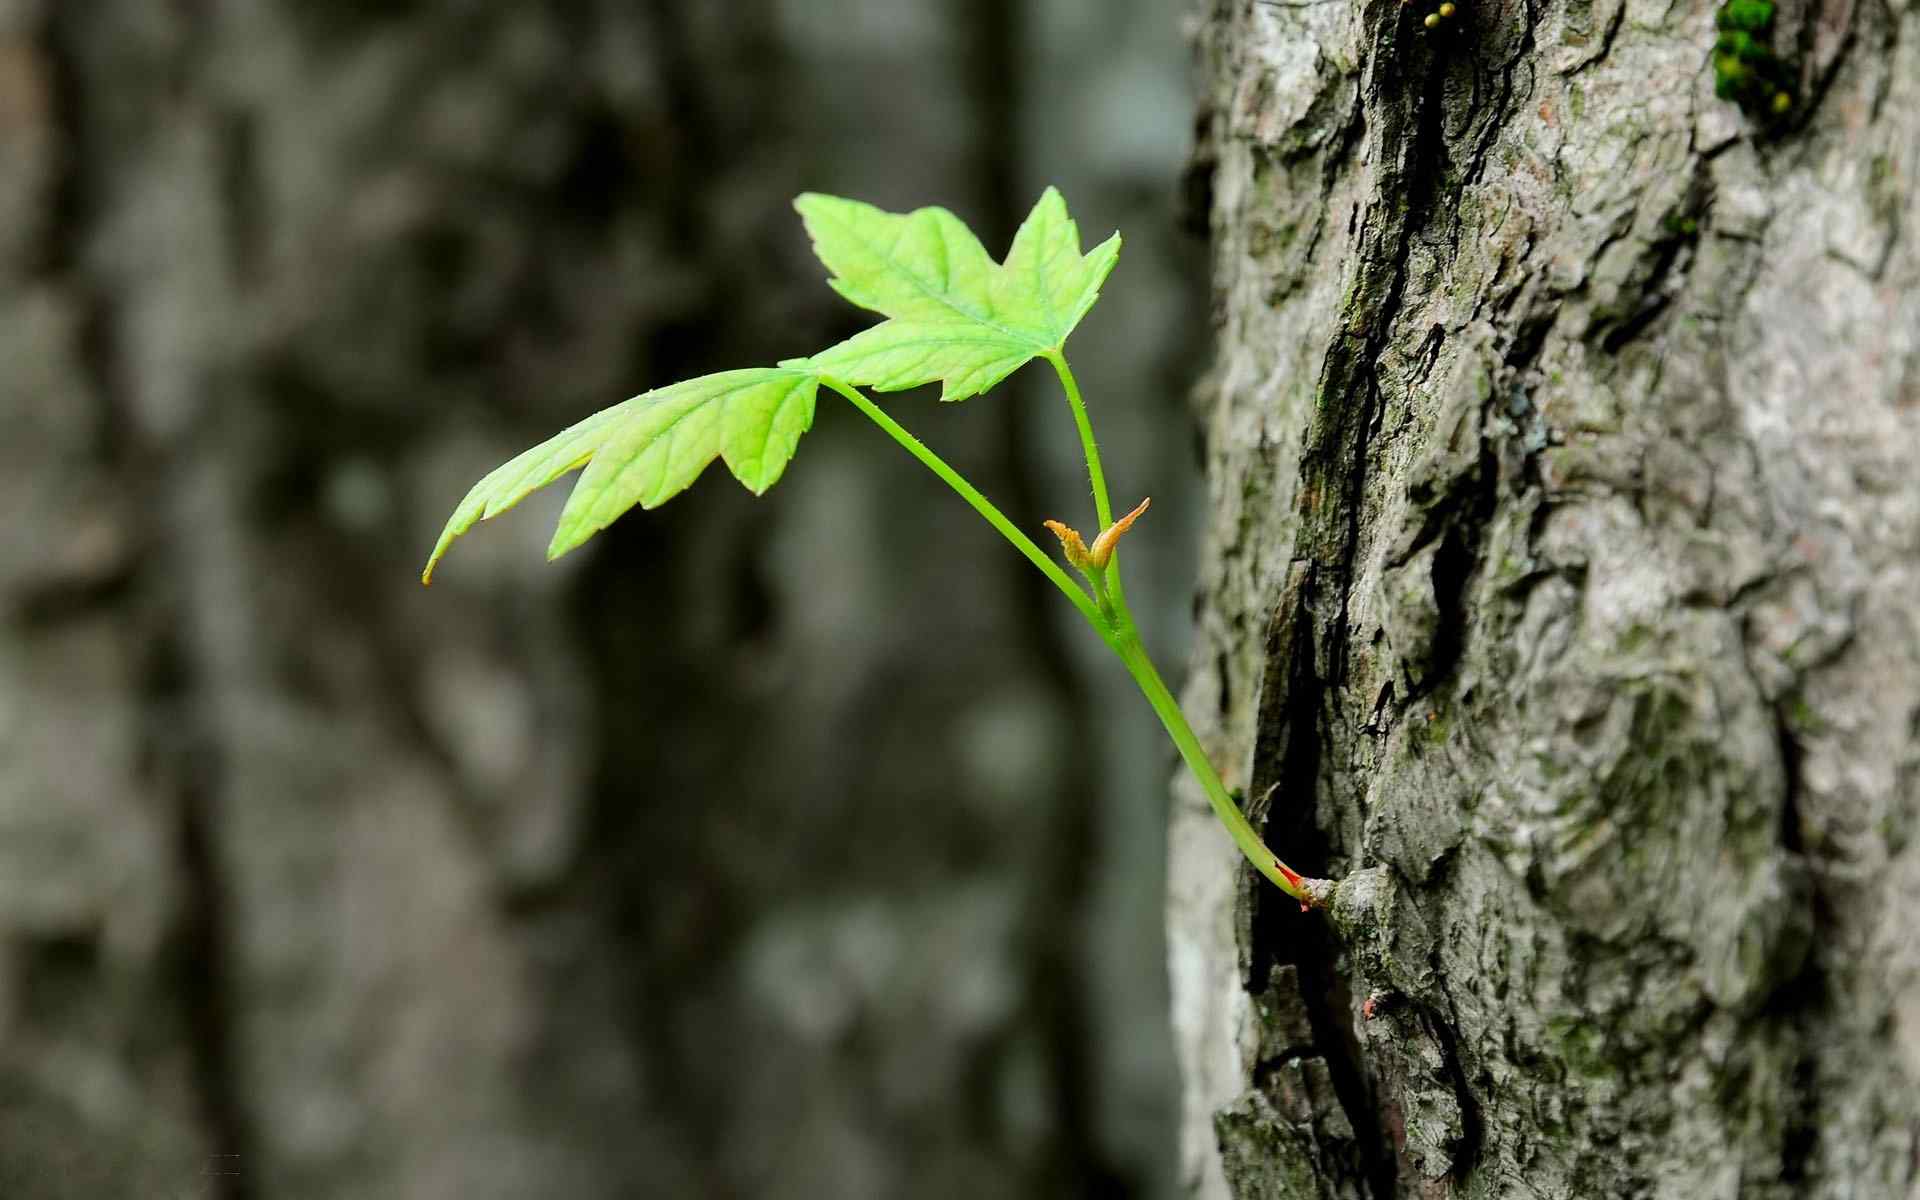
1102, 504
1096, 474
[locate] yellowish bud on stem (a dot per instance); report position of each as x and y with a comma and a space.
1087, 560
1102, 552
1071, 545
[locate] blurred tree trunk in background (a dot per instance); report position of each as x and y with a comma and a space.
738, 856
1561, 596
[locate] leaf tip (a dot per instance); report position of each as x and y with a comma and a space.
576, 529
813, 205
440, 548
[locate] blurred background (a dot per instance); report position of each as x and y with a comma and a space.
791, 848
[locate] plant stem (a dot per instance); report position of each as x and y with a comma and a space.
1106, 610
1125, 640
1132, 653
1096, 475
1102, 505
981, 505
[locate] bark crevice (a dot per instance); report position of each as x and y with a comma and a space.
1594, 545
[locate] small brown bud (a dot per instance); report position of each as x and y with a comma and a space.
1071, 544
1102, 552
1089, 561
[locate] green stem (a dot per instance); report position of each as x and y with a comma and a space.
1106, 610
981, 505
1102, 505
1125, 640
1096, 474
1132, 653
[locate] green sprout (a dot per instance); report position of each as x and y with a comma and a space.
1745, 68
955, 317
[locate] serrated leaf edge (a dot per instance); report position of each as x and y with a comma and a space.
504, 487
1049, 211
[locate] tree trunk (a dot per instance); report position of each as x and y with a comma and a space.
1562, 599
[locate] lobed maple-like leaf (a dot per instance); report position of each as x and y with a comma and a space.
649, 449
954, 315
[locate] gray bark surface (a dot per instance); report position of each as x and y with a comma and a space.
1562, 598
733, 856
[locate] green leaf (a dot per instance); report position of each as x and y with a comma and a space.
649, 449
956, 316
969, 357
1047, 276
925, 263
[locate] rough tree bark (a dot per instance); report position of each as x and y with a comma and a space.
1561, 598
